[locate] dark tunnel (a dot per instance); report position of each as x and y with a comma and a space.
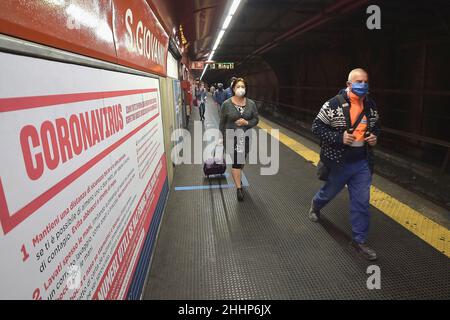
297, 54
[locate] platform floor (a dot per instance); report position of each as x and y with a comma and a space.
210, 246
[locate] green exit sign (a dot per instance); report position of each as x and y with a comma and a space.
222, 65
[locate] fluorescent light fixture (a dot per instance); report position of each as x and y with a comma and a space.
234, 7
206, 66
227, 22
211, 55
219, 37
216, 45
225, 25
221, 33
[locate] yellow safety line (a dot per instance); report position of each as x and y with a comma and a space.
429, 231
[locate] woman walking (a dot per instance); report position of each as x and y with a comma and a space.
238, 112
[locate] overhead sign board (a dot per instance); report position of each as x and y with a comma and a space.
222, 65
141, 41
197, 64
119, 31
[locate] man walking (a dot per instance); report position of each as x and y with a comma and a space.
229, 90
347, 126
220, 95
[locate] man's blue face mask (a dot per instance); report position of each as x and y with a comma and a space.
360, 88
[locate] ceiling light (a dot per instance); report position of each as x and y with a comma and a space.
227, 22
206, 66
234, 7
219, 37
211, 55
225, 25
215, 45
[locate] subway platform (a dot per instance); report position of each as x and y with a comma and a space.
210, 246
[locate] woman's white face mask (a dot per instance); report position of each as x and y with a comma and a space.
240, 92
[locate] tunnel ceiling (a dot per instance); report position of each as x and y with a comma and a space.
201, 21
276, 30
260, 21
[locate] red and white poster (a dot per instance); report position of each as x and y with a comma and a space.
82, 167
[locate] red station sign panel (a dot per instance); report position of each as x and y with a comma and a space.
118, 31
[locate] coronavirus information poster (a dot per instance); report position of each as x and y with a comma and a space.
82, 168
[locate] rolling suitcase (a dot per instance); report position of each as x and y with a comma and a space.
215, 165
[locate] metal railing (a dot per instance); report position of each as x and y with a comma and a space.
273, 107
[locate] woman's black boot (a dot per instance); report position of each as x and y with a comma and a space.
240, 194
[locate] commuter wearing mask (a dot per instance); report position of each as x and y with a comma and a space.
236, 113
347, 126
220, 96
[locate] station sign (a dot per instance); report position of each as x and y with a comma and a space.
222, 66
197, 65
119, 31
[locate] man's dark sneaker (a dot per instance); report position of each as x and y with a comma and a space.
365, 250
314, 214
240, 194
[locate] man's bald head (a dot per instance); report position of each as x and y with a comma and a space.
357, 75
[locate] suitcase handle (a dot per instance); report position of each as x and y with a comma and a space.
215, 148
214, 154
